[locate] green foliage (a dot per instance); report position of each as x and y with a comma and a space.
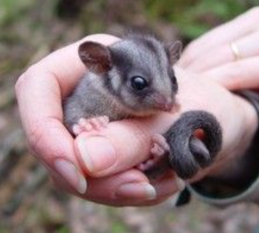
63, 229
11, 10
119, 227
92, 16
193, 17
2, 230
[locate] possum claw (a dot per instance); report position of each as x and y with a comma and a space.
158, 151
90, 125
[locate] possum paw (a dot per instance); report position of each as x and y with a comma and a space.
94, 124
160, 146
158, 151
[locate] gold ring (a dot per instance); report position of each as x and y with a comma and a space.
235, 51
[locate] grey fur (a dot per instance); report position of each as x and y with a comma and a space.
106, 88
187, 153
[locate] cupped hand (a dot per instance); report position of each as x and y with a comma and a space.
228, 54
101, 169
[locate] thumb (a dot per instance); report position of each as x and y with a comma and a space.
241, 74
120, 146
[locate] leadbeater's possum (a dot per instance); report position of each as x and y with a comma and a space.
134, 77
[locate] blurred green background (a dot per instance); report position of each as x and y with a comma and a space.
29, 30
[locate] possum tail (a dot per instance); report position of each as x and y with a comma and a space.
188, 153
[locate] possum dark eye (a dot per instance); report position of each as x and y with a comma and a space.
138, 83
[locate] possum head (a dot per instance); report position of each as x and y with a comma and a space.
137, 71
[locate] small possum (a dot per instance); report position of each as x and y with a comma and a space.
134, 78
131, 78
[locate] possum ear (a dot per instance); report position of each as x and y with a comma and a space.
175, 50
96, 57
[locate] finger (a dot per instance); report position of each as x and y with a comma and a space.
120, 146
42, 121
247, 47
224, 34
168, 185
120, 188
132, 188
39, 92
237, 75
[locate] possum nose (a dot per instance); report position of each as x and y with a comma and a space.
168, 106
164, 104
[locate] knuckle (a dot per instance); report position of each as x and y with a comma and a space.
23, 79
254, 13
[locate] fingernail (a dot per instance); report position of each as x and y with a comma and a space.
136, 190
180, 183
69, 172
97, 153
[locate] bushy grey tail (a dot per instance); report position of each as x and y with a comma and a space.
188, 153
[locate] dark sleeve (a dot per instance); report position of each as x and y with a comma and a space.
242, 184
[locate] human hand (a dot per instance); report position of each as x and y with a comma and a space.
212, 56
40, 91
107, 162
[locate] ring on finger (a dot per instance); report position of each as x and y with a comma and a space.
235, 51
